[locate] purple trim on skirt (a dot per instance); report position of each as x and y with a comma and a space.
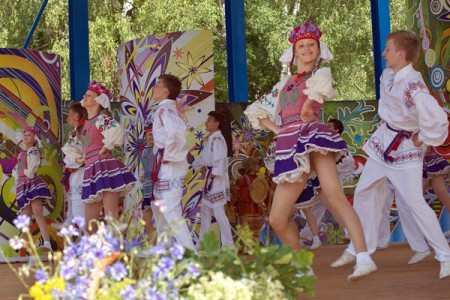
300, 139
310, 195
106, 175
31, 189
434, 165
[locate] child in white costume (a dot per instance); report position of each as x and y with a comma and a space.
411, 119
216, 193
73, 150
170, 166
411, 230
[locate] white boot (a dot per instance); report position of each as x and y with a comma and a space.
345, 259
316, 243
418, 257
361, 271
445, 269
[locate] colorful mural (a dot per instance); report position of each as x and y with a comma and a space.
430, 20
188, 55
30, 95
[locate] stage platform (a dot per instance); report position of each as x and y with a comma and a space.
395, 279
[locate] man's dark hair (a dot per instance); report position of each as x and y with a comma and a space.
337, 124
218, 117
173, 84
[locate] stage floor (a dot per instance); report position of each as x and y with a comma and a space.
393, 280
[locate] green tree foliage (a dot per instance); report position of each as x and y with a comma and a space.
346, 25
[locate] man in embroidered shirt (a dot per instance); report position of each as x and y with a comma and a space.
411, 119
216, 192
170, 167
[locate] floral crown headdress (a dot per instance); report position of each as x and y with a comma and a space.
104, 95
305, 31
34, 130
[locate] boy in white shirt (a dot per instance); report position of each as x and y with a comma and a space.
411, 119
170, 165
216, 192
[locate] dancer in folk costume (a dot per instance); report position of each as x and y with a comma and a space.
345, 169
435, 174
31, 190
213, 162
306, 148
411, 119
147, 159
105, 178
74, 171
170, 166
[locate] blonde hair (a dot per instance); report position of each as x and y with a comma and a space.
406, 41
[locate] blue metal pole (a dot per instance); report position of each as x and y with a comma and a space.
236, 51
35, 23
381, 27
79, 48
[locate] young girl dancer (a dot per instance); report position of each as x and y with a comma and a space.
73, 150
32, 191
105, 178
306, 148
147, 183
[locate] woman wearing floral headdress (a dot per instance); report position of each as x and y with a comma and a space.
306, 148
31, 190
105, 178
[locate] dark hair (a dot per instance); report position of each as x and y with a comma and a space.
406, 41
82, 113
218, 117
172, 83
337, 124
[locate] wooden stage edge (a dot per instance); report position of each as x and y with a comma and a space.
395, 279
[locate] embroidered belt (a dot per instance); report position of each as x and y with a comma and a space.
208, 180
291, 119
92, 154
398, 139
65, 179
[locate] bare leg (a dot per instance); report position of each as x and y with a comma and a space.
27, 211
440, 188
92, 212
38, 212
148, 216
280, 217
111, 204
335, 199
312, 222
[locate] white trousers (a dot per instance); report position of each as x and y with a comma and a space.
373, 185
221, 218
411, 230
75, 206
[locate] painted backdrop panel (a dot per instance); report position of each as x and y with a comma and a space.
30, 94
189, 56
